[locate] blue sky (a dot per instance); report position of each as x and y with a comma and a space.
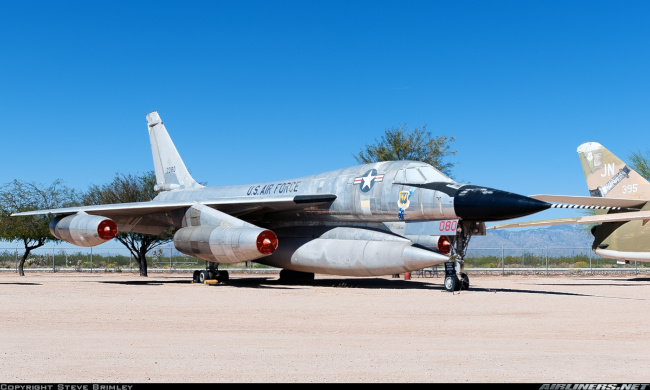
255, 91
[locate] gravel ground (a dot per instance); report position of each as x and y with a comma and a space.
122, 328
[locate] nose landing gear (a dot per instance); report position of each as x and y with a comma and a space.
454, 281
455, 277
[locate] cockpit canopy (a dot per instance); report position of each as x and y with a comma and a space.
423, 173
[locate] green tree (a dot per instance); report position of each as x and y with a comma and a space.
418, 145
641, 163
125, 189
33, 231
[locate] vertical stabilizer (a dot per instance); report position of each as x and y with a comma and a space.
171, 172
608, 176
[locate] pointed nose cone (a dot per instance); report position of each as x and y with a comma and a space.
474, 203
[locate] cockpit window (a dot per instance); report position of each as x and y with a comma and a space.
413, 175
421, 174
432, 174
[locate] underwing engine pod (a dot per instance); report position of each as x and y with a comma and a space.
225, 244
82, 229
352, 251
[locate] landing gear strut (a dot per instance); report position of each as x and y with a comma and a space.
455, 277
211, 273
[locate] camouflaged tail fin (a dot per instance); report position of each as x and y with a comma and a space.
608, 176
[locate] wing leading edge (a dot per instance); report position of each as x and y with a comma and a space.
144, 208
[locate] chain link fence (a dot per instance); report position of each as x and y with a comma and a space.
107, 259
168, 259
548, 259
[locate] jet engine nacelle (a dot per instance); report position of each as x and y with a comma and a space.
353, 252
352, 257
225, 244
83, 230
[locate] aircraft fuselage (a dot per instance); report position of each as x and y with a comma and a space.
379, 192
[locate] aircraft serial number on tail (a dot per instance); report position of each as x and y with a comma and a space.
630, 188
268, 189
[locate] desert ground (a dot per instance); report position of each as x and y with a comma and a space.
123, 328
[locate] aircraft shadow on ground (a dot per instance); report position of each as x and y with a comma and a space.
363, 283
376, 283
603, 282
153, 282
22, 284
522, 291
639, 280
358, 283
257, 282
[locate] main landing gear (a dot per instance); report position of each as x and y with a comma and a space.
211, 273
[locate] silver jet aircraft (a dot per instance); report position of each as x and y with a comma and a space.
382, 218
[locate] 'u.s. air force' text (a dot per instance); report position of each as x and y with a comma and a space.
269, 189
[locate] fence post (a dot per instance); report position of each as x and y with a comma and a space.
170, 260
91, 259
546, 249
53, 266
503, 267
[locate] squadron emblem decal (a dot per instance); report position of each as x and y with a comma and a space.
403, 202
368, 180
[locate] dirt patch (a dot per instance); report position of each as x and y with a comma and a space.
74, 328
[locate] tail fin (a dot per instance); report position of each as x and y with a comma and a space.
608, 176
171, 172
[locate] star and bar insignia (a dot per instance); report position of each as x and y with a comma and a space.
368, 180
